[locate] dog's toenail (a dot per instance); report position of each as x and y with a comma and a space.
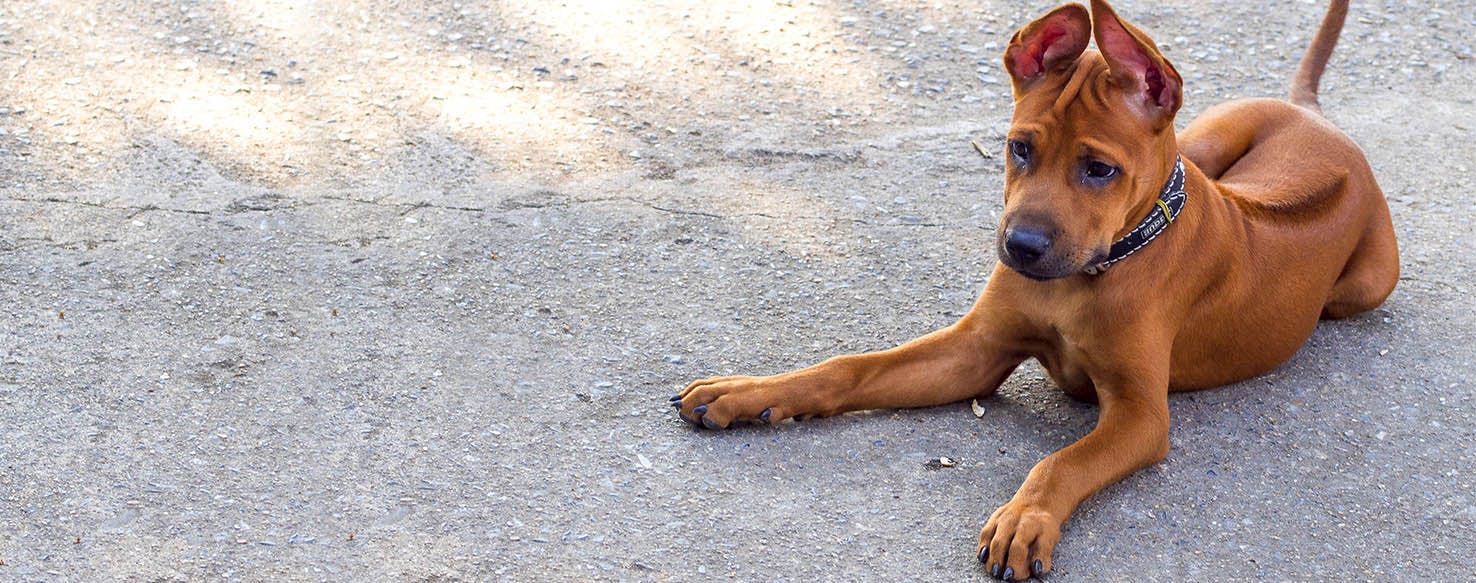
984, 555
1035, 569
700, 410
1009, 574
994, 571
765, 415
675, 398
710, 424
677, 404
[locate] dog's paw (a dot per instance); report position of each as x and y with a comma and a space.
719, 402
1017, 541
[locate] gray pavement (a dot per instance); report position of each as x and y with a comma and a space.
397, 291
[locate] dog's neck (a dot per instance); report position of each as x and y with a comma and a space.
1166, 207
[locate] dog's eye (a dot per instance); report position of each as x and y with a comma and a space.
1100, 171
1020, 150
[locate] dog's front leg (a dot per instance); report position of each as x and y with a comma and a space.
1131, 433
968, 359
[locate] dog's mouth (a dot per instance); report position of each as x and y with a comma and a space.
1053, 268
1033, 274
1098, 259
1044, 270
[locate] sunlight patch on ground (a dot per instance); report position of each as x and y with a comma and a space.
287, 91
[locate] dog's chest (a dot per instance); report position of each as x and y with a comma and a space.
1068, 373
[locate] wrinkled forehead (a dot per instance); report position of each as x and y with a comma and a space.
1078, 104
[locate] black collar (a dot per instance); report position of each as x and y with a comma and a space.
1167, 208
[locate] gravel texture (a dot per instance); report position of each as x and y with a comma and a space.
397, 291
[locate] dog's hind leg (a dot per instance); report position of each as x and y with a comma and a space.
1371, 273
1223, 134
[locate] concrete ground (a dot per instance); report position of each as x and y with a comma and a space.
377, 290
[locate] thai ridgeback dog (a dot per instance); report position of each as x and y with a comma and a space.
1133, 262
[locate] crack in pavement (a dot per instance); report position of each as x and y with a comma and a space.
138, 210
568, 202
410, 207
711, 215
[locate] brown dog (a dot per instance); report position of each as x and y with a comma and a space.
1134, 262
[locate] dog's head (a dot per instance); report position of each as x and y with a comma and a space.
1091, 142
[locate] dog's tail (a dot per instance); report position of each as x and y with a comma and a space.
1309, 73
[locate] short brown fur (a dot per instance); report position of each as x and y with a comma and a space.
1284, 224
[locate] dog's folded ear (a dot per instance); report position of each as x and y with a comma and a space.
1150, 82
1047, 45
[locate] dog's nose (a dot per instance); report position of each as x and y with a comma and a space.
1026, 245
